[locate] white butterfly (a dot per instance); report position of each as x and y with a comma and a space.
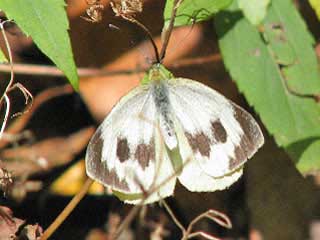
168, 129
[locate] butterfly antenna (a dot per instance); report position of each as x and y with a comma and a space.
155, 48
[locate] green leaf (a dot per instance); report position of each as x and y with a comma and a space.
254, 10
3, 58
47, 23
191, 11
264, 63
315, 4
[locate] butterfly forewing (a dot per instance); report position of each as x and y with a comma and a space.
221, 135
124, 153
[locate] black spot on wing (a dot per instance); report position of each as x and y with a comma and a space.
97, 167
123, 150
241, 154
199, 142
218, 131
144, 153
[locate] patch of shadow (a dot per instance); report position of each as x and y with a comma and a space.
226, 20
296, 149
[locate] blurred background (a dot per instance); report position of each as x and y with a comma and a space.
45, 156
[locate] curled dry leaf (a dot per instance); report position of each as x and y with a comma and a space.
5, 180
30, 232
14, 228
126, 9
45, 155
94, 11
8, 224
77, 8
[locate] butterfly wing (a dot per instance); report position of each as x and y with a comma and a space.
125, 154
192, 175
217, 135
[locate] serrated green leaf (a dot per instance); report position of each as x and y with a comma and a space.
3, 58
263, 63
315, 4
254, 10
192, 11
47, 23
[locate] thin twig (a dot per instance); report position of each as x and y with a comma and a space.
126, 221
27, 95
51, 71
218, 217
44, 96
67, 210
6, 116
11, 86
211, 214
168, 31
174, 218
202, 234
5, 94
10, 57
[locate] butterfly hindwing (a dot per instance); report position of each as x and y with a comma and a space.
125, 154
220, 134
192, 175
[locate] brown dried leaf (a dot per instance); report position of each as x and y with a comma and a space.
45, 155
77, 8
8, 224
6, 180
20, 188
30, 232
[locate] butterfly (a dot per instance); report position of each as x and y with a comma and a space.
170, 129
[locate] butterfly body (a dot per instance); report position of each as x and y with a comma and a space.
167, 129
160, 93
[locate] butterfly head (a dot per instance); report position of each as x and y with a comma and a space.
156, 73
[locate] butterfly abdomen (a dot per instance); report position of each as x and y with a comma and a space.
162, 102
